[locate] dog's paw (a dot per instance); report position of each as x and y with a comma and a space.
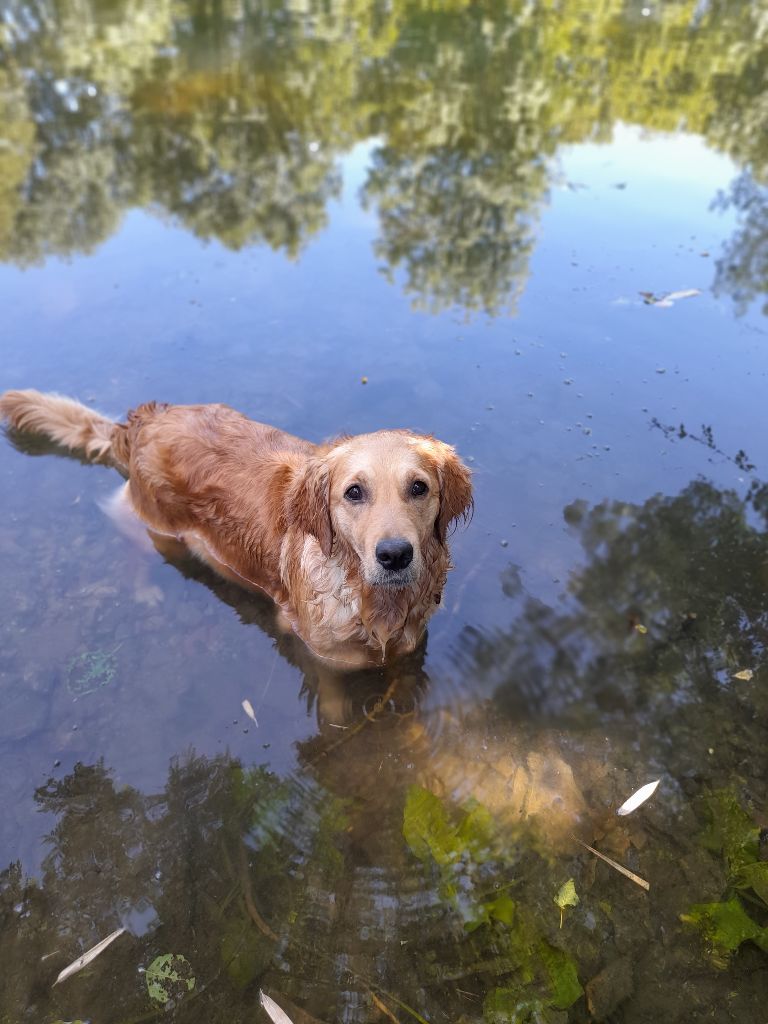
148, 594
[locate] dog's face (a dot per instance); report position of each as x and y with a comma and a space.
384, 496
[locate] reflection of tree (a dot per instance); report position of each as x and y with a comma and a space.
463, 238
742, 270
462, 170
669, 606
230, 118
260, 882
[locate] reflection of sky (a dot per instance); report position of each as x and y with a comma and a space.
551, 405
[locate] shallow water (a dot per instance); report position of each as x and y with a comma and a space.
474, 208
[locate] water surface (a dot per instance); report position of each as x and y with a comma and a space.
478, 210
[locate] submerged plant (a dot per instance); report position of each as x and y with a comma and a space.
725, 925
473, 863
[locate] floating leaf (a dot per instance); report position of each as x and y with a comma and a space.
745, 675
638, 797
169, 977
566, 897
248, 709
274, 1012
88, 957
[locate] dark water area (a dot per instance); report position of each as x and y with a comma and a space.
536, 230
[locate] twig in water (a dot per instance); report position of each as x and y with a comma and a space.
619, 867
253, 913
384, 1009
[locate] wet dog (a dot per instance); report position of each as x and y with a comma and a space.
349, 538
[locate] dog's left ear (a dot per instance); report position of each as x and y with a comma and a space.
309, 504
455, 491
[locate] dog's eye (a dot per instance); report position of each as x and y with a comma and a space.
418, 487
354, 493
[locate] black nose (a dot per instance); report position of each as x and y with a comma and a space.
394, 553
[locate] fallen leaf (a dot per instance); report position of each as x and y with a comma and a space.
566, 897
274, 1012
169, 977
88, 957
641, 628
248, 709
638, 797
745, 674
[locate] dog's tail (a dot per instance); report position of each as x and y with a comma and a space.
66, 421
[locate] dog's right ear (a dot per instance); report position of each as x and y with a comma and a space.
308, 504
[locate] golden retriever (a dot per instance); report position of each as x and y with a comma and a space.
349, 537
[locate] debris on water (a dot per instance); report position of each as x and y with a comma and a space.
618, 867
638, 797
274, 1012
363, 380
566, 897
669, 298
745, 674
89, 671
88, 957
248, 709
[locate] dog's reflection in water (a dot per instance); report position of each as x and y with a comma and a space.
340, 696
374, 737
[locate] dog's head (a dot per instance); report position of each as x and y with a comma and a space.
383, 498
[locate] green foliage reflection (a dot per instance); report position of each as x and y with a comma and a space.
230, 119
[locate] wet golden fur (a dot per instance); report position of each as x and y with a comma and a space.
268, 510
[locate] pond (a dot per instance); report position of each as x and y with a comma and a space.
536, 230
